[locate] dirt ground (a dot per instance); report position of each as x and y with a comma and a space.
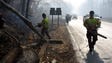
55, 52
60, 53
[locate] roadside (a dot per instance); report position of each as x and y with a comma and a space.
60, 53
29, 52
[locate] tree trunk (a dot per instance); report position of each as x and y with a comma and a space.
25, 20
23, 7
27, 9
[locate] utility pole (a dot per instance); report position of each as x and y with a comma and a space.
52, 12
58, 12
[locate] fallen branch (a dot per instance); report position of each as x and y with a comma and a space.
13, 37
25, 20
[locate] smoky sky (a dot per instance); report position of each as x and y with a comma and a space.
79, 7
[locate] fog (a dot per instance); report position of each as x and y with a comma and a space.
78, 7
101, 7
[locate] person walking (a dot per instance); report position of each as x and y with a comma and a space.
91, 24
45, 26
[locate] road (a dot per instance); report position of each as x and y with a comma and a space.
103, 47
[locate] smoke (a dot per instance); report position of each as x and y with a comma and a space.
76, 4
78, 7
44, 7
101, 7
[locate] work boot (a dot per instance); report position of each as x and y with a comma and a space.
90, 50
92, 46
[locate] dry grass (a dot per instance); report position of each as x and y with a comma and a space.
62, 53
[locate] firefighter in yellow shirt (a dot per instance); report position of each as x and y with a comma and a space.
45, 26
91, 24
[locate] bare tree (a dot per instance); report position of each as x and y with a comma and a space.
27, 8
